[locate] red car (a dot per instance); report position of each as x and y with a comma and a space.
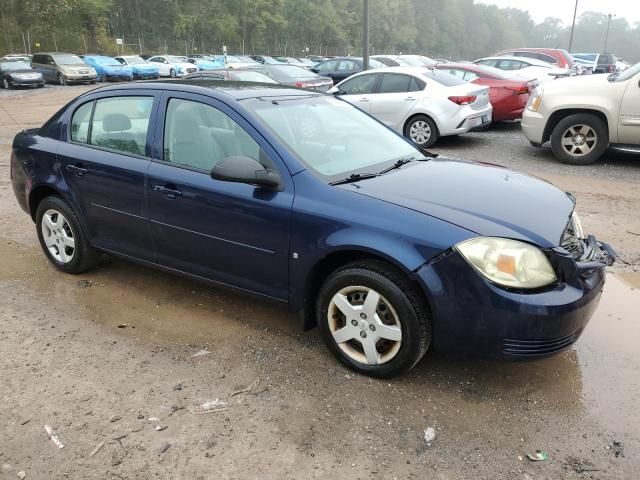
555, 56
508, 95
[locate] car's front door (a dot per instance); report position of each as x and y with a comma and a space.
232, 233
104, 162
395, 97
358, 90
629, 128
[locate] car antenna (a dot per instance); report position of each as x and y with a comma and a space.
13, 119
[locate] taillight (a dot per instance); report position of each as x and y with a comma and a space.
519, 90
466, 100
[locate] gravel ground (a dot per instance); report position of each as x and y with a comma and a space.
127, 403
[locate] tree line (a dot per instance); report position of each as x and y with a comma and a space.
454, 29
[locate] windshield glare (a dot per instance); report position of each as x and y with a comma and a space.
68, 60
134, 60
627, 74
15, 66
332, 137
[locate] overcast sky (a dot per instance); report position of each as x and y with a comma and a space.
563, 9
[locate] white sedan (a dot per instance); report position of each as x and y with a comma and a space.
172, 66
524, 67
421, 104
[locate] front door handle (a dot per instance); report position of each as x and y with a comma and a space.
364, 99
409, 99
170, 191
78, 170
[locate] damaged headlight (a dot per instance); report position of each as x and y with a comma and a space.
508, 262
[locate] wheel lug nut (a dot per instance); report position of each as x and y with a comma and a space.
363, 316
372, 328
363, 334
354, 322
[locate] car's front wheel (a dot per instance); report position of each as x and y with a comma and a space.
373, 319
579, 139
6, 83
62, 80
61, 237
172, 73
422, 131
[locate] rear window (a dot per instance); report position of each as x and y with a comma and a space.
606, 59
294, 71
443, 78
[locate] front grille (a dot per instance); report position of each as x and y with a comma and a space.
191, 70
535, 348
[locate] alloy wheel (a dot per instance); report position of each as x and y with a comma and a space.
420, 132
6, 84
58, 236
579, 140
364, 325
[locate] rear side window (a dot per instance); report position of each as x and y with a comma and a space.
347, 66
416, 85
327, 67
394, 83
80, 123
511, 65
121, 124
38, 59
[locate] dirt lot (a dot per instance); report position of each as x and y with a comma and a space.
279, 405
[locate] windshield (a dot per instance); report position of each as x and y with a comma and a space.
626, 75
134, 60
107, 61
232, 59
68, 60
15, 66
332, 137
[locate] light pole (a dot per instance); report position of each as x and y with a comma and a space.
606, 38
573, 26
365, 34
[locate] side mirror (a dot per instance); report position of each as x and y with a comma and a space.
245, 170
315, 70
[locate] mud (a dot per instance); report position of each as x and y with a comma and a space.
290, 411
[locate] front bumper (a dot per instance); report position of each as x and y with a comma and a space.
145, 75
533, 124
473, 317
31, 82
81, 78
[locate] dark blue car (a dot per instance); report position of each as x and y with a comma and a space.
303, 199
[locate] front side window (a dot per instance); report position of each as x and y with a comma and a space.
197, 135
121, 124
361, 85
80, 123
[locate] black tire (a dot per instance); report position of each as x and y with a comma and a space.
93, 82
6, 83
172, 73
62, 80
85, 256
601, 139
433, 138
404, 297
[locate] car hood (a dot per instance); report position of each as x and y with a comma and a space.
22, 72
486, 199
117, 68
585, 83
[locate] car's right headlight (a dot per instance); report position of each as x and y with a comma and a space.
535, 100
509, 263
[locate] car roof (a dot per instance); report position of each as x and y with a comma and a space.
408, 70
230, 89
532, 61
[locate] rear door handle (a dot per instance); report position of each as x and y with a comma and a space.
364, 99
170, 191
409, 99
79, 170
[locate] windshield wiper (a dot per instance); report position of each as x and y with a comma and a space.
354, 177
398, 164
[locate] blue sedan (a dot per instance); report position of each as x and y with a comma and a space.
142, 70
109, 68
303, 199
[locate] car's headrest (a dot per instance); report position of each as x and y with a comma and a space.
116, 122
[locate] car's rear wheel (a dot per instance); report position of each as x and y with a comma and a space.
61, 237
62, 80
579, 139
422, 131
373, 319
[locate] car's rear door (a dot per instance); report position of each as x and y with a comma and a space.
232, 233
345, 69
104, 162
395, 97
